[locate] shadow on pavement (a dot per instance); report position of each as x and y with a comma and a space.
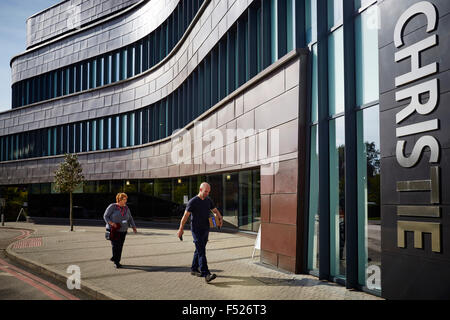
258, 281
161, 268
151, 234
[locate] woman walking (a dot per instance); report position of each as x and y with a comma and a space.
118, 217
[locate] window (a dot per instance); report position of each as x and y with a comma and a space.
366, 46
311, 21
123, 130
290, 20
335, 13
131, 128
314, 86
369, 217
337, 197
274, 29
336, 72
313, 234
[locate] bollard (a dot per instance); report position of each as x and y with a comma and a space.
3, 220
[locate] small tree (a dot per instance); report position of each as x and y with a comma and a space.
68, 177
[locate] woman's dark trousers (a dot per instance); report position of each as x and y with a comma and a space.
200, 240
117, 246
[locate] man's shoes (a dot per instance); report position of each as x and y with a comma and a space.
118, 265
112, 259
196, 273
210, 277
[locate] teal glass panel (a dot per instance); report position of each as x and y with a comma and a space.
110, 134
259, 39
54, 136
290, 13
93, 133
313, 227
369, 217
100, 133
93, 73
66, 81
123, 141
117, 133
337, 197
336, 72
274, 30
335, 12
366, 59
131, 128
314, 86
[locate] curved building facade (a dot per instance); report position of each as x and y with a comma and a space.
286, 107
155, 98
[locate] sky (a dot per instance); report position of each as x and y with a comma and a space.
13, 34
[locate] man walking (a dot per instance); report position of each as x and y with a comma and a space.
199, 207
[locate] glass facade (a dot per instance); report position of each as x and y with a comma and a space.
337, 197
155, 199
343, 105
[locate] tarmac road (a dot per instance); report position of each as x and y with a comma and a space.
18, 282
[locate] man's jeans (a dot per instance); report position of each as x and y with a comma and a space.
200, 240
117, 246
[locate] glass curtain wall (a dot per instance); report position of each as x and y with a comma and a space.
368, 141
330, 83
157, 199
313, 228
336, 106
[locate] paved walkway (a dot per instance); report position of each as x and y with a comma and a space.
157, 266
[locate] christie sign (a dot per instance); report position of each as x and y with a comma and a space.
423, 129
414, 42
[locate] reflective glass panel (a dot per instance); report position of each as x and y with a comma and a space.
366, 58
336, 72
369, 217
313, 241
337, 197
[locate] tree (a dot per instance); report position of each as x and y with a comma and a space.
68, 177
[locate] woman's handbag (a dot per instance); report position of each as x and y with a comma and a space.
113, 233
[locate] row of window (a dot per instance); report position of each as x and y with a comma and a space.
235, 194
109, 67
240, 54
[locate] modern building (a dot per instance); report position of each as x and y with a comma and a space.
320, 121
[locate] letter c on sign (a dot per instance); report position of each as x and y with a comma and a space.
424, 7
